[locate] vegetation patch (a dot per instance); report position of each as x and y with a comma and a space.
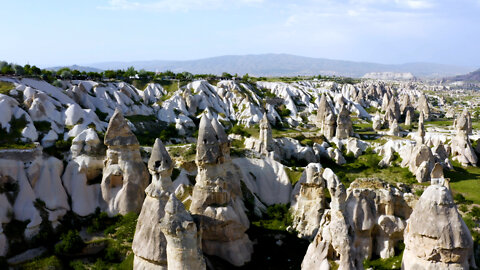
294, 174
277, 217
465, 181
366, 166
5, 87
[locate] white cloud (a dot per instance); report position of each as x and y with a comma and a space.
415, 4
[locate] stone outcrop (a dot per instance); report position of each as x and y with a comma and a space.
394, 129
44, 176
310, 202
436, 237
408, 118
462, 149
124, 175
183, 238
344, 124
421, 129
377, 122
423, 106
217, 197
332, 241
325, 119
420, 162
266, 138
82, 171
377, 213
149, 243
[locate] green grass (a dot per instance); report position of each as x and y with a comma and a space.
465, 181
366, 166
440, 123
5, 87
294, 174
284, 132
384, 264
50, 263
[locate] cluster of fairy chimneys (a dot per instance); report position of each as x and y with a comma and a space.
167, 236
331, 125
395, 113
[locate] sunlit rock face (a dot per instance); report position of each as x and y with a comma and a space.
310, 202
217, 197
377, 213
149, 243
332, 241
125, 176
83, 172
436, 236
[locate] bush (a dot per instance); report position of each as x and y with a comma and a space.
71, 243
459, 198
475, 212
277, 217
237, 129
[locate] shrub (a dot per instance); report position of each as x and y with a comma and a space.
71, 243
240, 130
42, 126
459, 198
475, 212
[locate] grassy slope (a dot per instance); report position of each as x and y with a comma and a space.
465, 181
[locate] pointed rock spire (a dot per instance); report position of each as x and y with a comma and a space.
118, 132
159, 160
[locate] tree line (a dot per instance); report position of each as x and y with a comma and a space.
131, 74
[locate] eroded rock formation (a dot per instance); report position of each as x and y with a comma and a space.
149, 243
446, 242
310, 202
217, 197
183, 239
462, 149
124, 175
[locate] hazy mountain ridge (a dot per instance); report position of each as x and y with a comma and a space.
286, 65
473, 76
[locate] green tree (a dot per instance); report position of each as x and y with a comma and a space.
226, 75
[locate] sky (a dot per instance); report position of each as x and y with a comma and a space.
58, 32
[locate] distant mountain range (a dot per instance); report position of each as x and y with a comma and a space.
286, 65
77, 67
473, 76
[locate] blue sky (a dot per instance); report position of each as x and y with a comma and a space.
54, 32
